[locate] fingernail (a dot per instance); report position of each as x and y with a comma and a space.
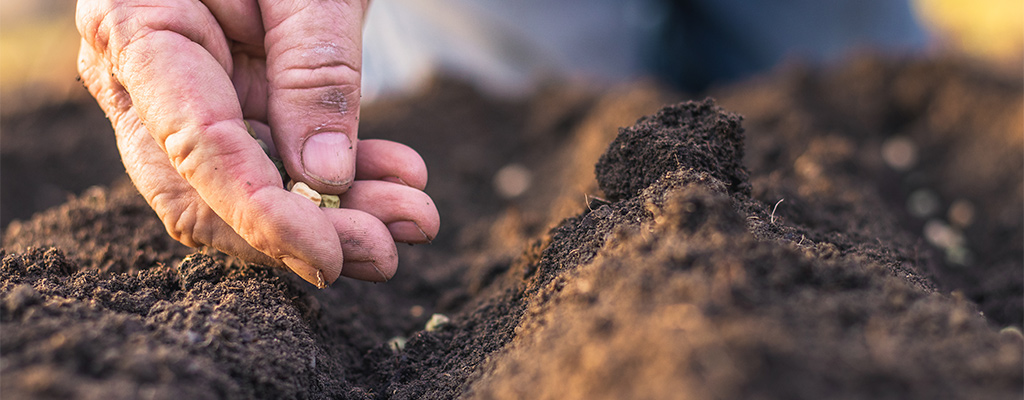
365, 270
306, 271
408, 231
328, 158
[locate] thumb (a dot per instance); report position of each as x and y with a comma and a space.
314, 57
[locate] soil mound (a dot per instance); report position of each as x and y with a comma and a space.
690, 136
778, 258
678, 290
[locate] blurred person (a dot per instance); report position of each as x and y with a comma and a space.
508, 47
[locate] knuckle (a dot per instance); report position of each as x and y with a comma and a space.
181, 222
89, 18
114, 27
320, 64
182, 146
109, 94
318, 55
322, 101
335, 98
342, 99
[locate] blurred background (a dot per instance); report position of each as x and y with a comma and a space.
51, 147
505, 48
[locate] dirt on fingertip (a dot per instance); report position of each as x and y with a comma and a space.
847, 232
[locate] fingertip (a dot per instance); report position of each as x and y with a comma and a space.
370, 252
390, 161
320, 278
411, 215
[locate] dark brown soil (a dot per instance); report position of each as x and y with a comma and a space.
677, 273
52, 153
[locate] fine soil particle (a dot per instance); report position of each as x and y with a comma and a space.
685, 276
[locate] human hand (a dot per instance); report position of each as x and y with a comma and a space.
177, 77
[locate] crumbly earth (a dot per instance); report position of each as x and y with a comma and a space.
754, 246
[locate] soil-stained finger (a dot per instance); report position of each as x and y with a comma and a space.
397, 206
370, 253
385, 160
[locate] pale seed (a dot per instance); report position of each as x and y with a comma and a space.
436, 322
303, 189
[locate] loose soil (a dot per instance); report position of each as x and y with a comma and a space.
753, 246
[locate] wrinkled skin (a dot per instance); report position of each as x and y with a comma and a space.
177, 78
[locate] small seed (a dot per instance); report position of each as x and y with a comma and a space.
397, 343
1012, 332
330, 201
303, 189
437, 321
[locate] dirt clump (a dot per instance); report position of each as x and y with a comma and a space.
674, 138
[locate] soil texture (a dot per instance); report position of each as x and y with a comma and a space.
854, 232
